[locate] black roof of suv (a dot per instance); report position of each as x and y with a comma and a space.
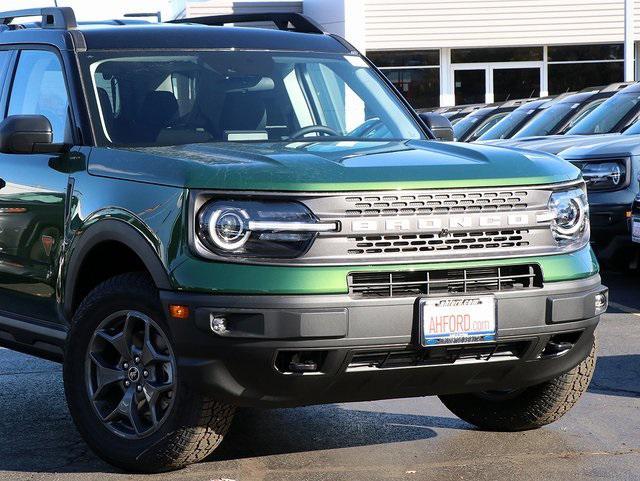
60, 28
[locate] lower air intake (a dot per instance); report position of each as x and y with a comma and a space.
448, 281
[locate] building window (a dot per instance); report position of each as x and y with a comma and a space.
484, 55
585, 52
405, 58
575, 67
415, 73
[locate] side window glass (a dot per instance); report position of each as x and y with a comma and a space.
5, 55
39, 88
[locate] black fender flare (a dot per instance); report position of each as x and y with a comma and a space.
110, 230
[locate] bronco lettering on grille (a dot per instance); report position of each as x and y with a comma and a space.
437, 224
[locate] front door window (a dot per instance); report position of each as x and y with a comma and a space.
39, 88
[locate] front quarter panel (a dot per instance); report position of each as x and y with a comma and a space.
149, 219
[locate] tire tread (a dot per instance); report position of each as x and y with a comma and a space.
535, 407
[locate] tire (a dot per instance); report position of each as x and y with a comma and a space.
529, 408
183, 427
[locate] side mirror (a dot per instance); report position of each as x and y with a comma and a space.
27, 134
439, 125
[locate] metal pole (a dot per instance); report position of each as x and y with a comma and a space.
629, 47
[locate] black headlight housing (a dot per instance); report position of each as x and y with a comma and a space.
265, 229
605, 175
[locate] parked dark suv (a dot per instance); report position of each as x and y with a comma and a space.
479, 121
195, 218
560, 116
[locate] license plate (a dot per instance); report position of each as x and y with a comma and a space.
457, 320
635, 229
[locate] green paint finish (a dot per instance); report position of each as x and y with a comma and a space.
197, 275
331, 166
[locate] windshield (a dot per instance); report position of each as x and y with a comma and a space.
505, 128
547, 120
487, 124
633, 129
174, 98
465, 124
607, 116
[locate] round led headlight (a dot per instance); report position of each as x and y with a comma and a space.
571, 214
226, 227
257, 228
601, 175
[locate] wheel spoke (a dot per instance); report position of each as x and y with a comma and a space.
105, 375
152, 393
149, 354
121, 340
127, 409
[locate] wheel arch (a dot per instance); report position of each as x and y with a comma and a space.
104, 232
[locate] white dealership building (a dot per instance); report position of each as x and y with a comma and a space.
445, 52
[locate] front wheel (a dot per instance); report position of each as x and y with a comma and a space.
123, 386
527, 408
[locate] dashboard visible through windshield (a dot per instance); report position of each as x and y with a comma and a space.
174, 98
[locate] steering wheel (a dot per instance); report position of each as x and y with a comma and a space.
321, 129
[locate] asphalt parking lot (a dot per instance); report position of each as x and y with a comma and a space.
411, 439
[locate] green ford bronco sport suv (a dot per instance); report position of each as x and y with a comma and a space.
196, 217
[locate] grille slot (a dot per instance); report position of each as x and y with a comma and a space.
389, 244
455, 281
367, 360
436, 203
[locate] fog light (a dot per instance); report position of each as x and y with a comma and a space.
601, 303
218, 324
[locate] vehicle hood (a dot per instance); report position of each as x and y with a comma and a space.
552, 144
620, 146
330, 166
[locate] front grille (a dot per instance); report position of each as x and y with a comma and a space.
389, 244
436, 203
452, 281
367, 360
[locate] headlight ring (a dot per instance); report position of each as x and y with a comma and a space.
228, 228
570, 215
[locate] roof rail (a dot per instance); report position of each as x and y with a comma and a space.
283, 21
52, 17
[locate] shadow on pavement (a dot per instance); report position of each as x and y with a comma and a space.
617, 376
44, 439
283, 431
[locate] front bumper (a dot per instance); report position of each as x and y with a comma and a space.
610, 231
368, 349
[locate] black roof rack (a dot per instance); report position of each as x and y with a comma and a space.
283, 21
52, 17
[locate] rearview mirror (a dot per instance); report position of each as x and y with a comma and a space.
27, 134
439, 125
